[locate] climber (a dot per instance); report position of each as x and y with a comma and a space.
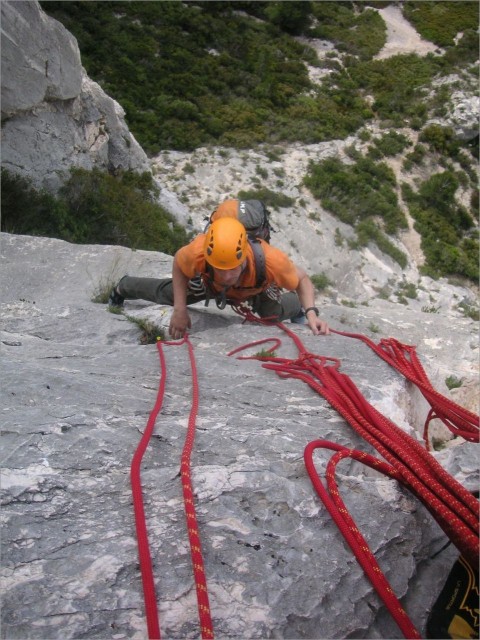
224, 265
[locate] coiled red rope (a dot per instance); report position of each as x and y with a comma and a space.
150, 598
402, 357
452, 506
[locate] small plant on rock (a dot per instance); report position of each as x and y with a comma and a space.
453, 382
151, 332
320, 281
265, 353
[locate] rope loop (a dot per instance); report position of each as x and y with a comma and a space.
276, 344
451, 505
357, 543
458, 420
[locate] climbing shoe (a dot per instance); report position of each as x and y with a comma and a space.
115, 299
300, 318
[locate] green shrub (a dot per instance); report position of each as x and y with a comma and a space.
398, 85
416, 156
440, 139
469, 311
390, 144
357, 30
453, 382
320, 281
440, 22
95, 208
408, 289
449, 246
150, 332
292, 17
368, 231
26, 210
270, 198
357, 192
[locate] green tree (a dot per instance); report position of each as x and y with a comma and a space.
292, 17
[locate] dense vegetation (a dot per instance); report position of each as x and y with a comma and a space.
231, 73
441, 22
362, 195
92, 208
449, 241
190, 74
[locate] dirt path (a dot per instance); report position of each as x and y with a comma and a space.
401, 36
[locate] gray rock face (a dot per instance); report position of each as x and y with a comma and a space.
53, 116
76, 395
465, 115
463, 108
40, 59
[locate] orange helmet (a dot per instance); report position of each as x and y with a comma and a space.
225, 243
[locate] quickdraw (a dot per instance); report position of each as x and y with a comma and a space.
150, 599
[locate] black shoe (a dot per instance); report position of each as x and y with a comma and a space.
115, 299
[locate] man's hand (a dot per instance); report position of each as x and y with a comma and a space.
318, 327
179, 323
306, 293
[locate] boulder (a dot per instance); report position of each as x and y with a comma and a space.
463, 108
465, 114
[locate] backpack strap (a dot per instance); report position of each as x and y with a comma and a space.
260, 264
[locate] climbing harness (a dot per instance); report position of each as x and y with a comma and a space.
191, 519
405, 460
220, 297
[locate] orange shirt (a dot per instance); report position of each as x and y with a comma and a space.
279, 269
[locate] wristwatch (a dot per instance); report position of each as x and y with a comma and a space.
317, 313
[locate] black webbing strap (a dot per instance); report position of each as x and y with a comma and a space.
260, 264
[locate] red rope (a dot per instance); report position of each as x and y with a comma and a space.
349, 529
452, 506
403, 357
149, 595
206, 625
150, 599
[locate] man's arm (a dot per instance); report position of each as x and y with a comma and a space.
180, 320
306, 294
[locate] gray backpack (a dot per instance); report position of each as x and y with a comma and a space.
252, 214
